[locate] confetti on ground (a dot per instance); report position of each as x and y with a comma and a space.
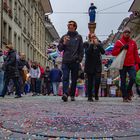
47, 117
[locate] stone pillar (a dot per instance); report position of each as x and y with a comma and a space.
92, 27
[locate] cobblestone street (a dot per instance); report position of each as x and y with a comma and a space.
47, 117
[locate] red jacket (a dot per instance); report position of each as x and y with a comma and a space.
132, 56
41, 71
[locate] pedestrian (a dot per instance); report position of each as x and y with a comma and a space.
93, 65
72, 46
24, 68
11, 71
103, 86
137, 83
55, 77
35, 75
137, 80
47, 81
1, 70
126, 43
41, 79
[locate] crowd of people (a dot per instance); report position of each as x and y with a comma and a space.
73, 49
19, 76
16, 72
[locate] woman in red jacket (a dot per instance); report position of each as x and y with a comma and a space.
129, 63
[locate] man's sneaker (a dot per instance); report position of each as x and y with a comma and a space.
90, 99
2, 96
97, 98
125, 100
130, 95
65, 98
129, 98
72, 98
34, 94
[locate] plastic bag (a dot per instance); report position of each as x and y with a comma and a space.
119, 61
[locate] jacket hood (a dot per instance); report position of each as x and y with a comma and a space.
71, 34
125, 39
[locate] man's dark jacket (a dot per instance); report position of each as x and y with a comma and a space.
11, 66
93, 60
21, 64
73, 50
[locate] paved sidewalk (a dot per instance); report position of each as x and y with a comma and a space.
47, 117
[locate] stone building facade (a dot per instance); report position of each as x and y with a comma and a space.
23, 25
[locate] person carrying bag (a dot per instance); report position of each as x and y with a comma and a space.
131, 58
119, 60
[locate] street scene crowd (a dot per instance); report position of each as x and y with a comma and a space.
22, 77
77, 86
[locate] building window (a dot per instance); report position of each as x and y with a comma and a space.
4, 32
5, 5
15, 9
10, 4
15, 40
4, 29
19, 14
24, 46
10, 35
19, 47
25, 3
31, 12
28, 51
28, 26
24, 19
31, 31
10, 9
29, 6
31, 54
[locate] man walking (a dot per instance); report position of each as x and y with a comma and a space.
11, 71
129, 63
93, 65
72, 46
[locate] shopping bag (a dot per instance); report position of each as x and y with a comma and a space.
138, 78
119, 61
24, 75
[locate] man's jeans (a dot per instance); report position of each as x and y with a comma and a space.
1, 80
16, 84
123, 75
22, 84
68, 68
55, 87
38, 86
